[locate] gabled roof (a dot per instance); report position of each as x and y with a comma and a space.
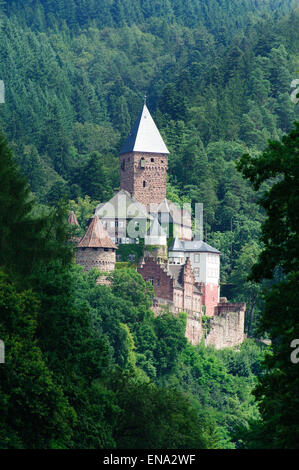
122, 206
144, 136
96, 236
199, 245
176, 272
164, 207
193, 245
177, 215
72, 219
176, 245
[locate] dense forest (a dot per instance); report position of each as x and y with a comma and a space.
217, 75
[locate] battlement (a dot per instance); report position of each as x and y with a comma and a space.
224, 308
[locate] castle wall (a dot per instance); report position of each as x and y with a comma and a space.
162, 282
227, 326
146, 181
96, 258
194, 331
126, 162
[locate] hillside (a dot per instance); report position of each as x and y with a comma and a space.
74, 87
217, 75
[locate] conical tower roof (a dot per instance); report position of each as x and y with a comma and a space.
144, 136
96, 236
72, 219
176, 245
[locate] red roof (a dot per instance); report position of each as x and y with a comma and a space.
72, 220
96, 236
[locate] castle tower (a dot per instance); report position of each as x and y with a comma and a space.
144, 161
96, 249
176, 253
155, 242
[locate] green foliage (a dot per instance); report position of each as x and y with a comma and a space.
277, 388
84, 209
207, 377
125, 250
219, 87
29, 397
43, 233
165, 418
218, 77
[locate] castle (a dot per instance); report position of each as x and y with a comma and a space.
185, 276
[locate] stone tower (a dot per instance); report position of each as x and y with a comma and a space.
144, 161
96, 249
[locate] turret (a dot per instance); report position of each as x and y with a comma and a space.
96, 249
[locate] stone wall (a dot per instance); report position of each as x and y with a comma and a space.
227, 326
96, 258
146, 181
226, 329
194, 331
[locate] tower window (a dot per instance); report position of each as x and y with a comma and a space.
152, 159
142, 162
123, 165
144, 184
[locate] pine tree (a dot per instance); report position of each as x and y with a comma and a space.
42, 236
